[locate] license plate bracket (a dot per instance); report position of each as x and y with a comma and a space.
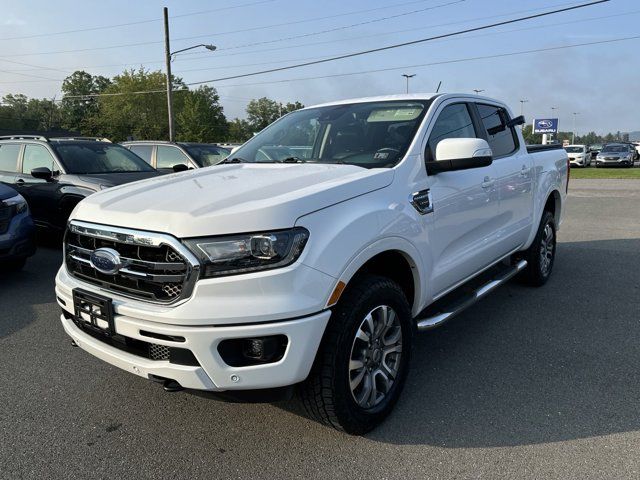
94, 311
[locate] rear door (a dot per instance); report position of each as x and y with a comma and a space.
144, 151
513, 169
9, 153
465, 204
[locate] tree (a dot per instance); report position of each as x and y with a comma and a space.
139, 115
239, 131
201, 118
78, 113
20, 113
262, 112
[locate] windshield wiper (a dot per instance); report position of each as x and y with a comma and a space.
234, 160
293, 160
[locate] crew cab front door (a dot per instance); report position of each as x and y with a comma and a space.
465, 206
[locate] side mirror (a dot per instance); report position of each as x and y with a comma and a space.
460, 154
42, 173
180, 167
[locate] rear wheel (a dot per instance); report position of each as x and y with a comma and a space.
540, 256
362, 363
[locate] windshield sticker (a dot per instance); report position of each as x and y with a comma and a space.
394, 114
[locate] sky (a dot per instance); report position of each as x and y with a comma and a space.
598, 82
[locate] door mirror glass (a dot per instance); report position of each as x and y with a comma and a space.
42, 173
460, 154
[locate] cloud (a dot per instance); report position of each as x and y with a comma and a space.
12, 21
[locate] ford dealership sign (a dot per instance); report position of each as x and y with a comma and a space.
545, 125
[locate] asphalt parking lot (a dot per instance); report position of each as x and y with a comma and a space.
530, 383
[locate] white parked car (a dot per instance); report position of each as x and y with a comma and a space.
307, 260
579, 155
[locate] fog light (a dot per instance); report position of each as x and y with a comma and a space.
262, 348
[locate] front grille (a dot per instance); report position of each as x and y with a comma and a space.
6, 213
158, 352
155, 268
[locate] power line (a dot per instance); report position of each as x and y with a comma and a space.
362, 72
442, 62
140, 22
138, 44
195, 56
404, 44
343, 27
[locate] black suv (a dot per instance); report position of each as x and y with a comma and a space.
169, 157
54, 174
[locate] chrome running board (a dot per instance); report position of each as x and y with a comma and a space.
449, 311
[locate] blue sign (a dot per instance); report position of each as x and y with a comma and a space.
545, 125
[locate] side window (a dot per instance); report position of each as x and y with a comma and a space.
9, 157
167, 157
453, 122
502, 139
36, 156
143, 151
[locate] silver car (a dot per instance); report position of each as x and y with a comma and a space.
579, 155
616, 155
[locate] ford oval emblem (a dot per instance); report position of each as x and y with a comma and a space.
106, 260
545, 124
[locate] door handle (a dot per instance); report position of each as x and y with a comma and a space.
524, 172
488, 182
20, 181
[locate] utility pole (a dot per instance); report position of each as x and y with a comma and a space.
408, 77
167, 51
573, 132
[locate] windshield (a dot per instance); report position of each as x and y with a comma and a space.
99, 157
615, 149
207, 155
370, 135
574, 149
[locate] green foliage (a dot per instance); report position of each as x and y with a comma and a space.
78, 113
201, 118
115, 108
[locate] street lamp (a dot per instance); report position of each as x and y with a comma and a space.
573, 133
408, 77
478, 92
168, 56
553, 112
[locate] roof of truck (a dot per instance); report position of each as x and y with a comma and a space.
403, 97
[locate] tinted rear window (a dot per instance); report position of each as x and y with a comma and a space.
500, 137
99, 157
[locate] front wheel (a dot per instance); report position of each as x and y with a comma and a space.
540, 256
363, 360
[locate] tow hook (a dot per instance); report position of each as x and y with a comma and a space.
172, 386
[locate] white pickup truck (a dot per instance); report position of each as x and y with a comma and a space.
308, 259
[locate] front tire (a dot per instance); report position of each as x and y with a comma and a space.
540, 256
363, 360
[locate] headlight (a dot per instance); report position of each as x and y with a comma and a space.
235, 254
18, 202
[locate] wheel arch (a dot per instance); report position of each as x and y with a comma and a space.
394, 258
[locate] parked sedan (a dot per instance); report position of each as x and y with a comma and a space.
579, 155
169, 157
16, 230
53, 175
616, 155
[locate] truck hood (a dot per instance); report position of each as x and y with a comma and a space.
228, 199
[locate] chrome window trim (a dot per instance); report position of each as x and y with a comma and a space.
141, 238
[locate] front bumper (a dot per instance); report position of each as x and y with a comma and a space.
19, 240
211, 373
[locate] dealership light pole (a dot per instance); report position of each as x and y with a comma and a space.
168, 55
573, 133
553, 112
522, 102
407, 76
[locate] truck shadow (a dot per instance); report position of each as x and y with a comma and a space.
528, 366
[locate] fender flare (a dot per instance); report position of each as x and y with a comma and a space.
387, 244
